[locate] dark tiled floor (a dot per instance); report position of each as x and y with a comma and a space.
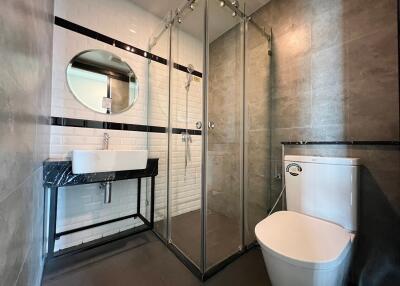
223, 236
145, 260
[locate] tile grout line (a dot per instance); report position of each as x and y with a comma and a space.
18, 186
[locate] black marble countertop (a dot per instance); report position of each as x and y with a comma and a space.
58, 173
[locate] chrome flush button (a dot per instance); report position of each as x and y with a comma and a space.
294, 169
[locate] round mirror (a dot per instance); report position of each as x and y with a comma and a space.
102, 82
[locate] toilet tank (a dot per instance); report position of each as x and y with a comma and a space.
324, 188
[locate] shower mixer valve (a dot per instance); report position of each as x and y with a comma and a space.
186, 137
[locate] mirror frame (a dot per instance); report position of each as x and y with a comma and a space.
83, 103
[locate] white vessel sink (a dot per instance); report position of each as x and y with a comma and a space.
96, 161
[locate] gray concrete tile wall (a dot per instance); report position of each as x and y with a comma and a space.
25, 85
334, 76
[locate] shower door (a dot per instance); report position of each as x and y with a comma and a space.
158, 115
186, 90
206, 140
257, 156
224, 142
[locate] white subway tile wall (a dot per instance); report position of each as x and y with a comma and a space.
185, 182
65, 139
122, 20
83, 205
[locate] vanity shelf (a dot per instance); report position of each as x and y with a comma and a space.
58, 173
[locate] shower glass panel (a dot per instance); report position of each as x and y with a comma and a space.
225, 134
157, 115
257, 159
185, 132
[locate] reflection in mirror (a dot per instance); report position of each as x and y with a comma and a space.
102, 82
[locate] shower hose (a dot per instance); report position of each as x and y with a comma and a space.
277, 200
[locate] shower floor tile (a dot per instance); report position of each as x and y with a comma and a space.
144, 260
223, 236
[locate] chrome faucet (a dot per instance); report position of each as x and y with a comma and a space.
106, 139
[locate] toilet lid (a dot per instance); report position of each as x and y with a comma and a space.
303, 240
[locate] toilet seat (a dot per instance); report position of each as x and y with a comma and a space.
303, 240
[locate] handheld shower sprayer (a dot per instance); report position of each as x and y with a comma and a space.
189, 77
186, 138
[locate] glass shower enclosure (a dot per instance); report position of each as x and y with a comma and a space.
214, 177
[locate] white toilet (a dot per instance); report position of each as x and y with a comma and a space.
310, 244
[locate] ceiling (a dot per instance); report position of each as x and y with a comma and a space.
220, 19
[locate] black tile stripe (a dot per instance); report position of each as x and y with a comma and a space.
183, 130
116, 43
106, 39
83, 123
185, 69
390, 143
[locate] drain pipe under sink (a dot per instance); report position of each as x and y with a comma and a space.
107, 186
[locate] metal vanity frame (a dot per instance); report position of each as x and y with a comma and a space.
58, 174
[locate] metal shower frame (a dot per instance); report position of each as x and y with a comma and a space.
202, 272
